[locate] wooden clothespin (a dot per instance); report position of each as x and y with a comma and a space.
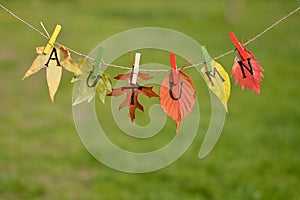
207, 58
136, 67
52, 39
241, 49
174, 68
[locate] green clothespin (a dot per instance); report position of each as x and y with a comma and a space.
98, 61
96, 71
207, 58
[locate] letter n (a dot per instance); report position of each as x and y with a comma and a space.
53, 58
249, 69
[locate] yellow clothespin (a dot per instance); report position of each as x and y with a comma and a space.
52, 39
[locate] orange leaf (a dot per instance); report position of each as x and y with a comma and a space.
177, 100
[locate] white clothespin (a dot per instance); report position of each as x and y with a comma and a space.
136, 67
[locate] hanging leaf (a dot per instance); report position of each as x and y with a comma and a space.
54, 61
67, 62
132, 91
247, 72
218, 82
83, 92
38, 63
53, 77
246, 69
177, 100
103, 87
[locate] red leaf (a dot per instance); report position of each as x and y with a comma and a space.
132, 91
177, 100
246, 69
247, 72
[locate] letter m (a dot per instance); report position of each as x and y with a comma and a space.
213, 75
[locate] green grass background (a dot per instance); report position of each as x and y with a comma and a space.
257, 156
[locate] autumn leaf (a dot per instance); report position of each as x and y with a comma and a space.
81, 91
218, 82
53, 62
38, 63
103, 87
84, 93
67, 63
53, 76
246, 70
177, 100
132, 91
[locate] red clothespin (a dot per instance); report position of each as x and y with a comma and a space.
241, 49
174, 68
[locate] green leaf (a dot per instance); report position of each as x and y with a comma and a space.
82, 92
103, 87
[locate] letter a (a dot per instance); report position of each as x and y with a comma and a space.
53, 58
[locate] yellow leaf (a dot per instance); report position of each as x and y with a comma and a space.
38, 63
53, 62
67, 62
218, 82
53, 76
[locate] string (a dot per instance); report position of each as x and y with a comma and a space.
152, 70
231, 51
42, 34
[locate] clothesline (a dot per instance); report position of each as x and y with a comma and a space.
151, 70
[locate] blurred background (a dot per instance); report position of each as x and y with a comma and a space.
257, 156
